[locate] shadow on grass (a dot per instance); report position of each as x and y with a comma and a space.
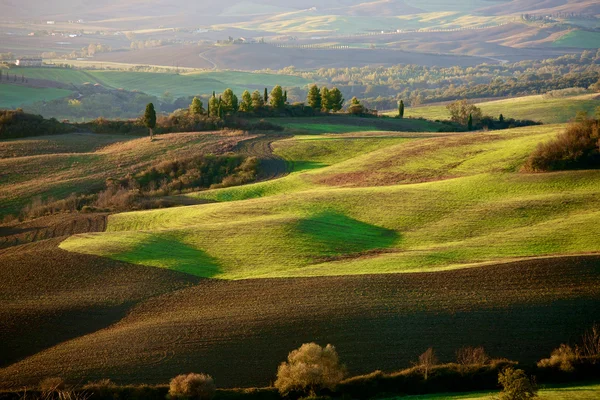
170, 253
333, 234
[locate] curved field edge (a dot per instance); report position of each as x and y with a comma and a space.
519, 310
476, 209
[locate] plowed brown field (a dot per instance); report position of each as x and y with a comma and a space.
239, 331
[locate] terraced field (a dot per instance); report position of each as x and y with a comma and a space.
380, 242
536, 108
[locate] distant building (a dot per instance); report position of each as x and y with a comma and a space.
50, 22
29, 62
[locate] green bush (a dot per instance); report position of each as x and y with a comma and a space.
516, 385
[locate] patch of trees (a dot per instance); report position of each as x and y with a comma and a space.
467, 114
382, 87
18, 124
578, 147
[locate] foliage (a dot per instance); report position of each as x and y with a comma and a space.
193, 387
461, 111
310, 369
229, 101
336, 99
472, 356
258, 101
577, 147
355, 108
196, 108
401, 109
563, 358
326, 104
313, 98
427, 360
590, 346
247, 105
150, 117
277, 100
18, 124
516, 385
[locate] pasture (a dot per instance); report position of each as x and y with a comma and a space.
579, 39
13, 96
535, 108
421, 205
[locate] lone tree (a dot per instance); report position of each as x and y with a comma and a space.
192, 386
266, 97
355, 108
246, 103
517, 385
336, 100
310, 369
150, 119
427, 361
401, 109
196, 108
277, 100
470, 122
313, 99
501, 118
258, 101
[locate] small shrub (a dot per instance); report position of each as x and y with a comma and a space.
516, 385
310, 369
192, 386
53, 384
472, 356
563, 358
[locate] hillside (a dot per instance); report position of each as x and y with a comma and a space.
537, 108
405, 239
367, 198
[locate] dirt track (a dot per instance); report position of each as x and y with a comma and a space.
271, 166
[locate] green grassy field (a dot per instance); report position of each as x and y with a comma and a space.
419, 205
579, 39
12, 96
185, 84
348, 124
586, 392
536, 108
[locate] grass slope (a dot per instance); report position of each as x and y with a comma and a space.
422, 205
583, 392
579, 39
536, 108
76, 163
12, 96
520, 311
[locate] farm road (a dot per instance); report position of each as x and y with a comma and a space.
271, 166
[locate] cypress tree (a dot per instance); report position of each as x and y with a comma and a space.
150, 119
470, 122
501, 119
266, 97
285, 96
401, 109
